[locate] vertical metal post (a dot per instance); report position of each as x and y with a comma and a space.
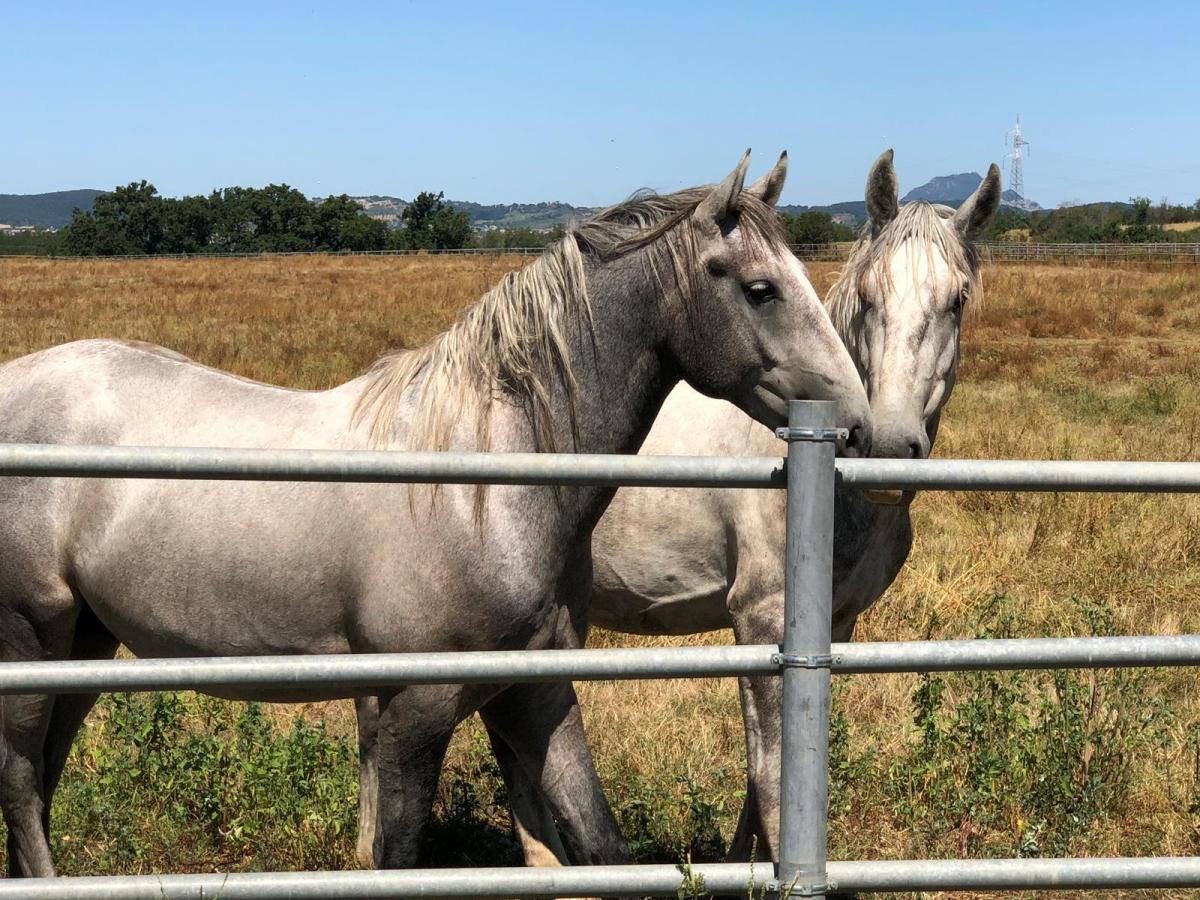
808, 603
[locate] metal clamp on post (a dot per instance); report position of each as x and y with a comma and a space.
791, 433
796, 661
779, 889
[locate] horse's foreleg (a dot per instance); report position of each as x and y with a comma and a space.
759, 620
542, 725
367, 848
532, 818
758, 825
414, 729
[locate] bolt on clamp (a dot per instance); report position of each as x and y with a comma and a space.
791, 433
796, 661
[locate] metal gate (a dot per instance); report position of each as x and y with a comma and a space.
805, 661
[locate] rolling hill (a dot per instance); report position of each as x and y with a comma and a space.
45, 210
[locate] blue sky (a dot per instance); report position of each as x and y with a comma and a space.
586, 102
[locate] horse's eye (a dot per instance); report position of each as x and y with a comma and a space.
960, 300
759, 292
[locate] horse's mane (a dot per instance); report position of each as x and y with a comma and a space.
923, 227
515, 341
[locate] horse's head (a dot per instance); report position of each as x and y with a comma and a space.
899, 305
743, 321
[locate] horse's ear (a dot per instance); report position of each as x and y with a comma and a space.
883, 192
977, 210
721, 202
770, 186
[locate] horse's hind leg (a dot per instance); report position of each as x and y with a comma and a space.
92, 641
29, 631
532, 819
543, 727
21, 792
367, 850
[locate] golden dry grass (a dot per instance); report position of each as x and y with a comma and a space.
1059, 362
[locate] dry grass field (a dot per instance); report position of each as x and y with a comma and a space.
1058, 362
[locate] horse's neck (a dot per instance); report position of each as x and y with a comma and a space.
859, 524
621, 379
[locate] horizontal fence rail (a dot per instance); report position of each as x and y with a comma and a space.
385, 467
366, 670
1021, 475
1103, 873
360, 671
365, 466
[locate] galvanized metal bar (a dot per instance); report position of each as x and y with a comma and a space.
583, 469
568, 881
350, 672
388, 467
1020, 475
1097, 874
808, 601
1108, 873
1016, 653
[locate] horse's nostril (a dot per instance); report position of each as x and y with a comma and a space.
914, 450
858, 439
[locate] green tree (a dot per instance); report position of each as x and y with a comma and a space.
1141, 231
814, 227
127, 221
339, 223
361, 233
519, 238
1141, 210
282, 217
188, 225
432, 224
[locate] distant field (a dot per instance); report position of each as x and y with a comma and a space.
1182, 226
1058, 362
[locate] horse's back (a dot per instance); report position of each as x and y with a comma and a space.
127, 392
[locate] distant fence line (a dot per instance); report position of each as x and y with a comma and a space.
1019, 252
990, 251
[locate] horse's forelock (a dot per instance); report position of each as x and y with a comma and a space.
923, 226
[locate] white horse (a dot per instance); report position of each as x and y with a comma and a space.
575, 352
676, 561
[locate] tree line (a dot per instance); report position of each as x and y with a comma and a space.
135, 219
1137, 222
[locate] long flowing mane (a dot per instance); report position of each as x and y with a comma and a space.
922, 227
514, 343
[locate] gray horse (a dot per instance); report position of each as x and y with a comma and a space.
576, 352
673, 561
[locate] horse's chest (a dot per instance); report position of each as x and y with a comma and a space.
871, 547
